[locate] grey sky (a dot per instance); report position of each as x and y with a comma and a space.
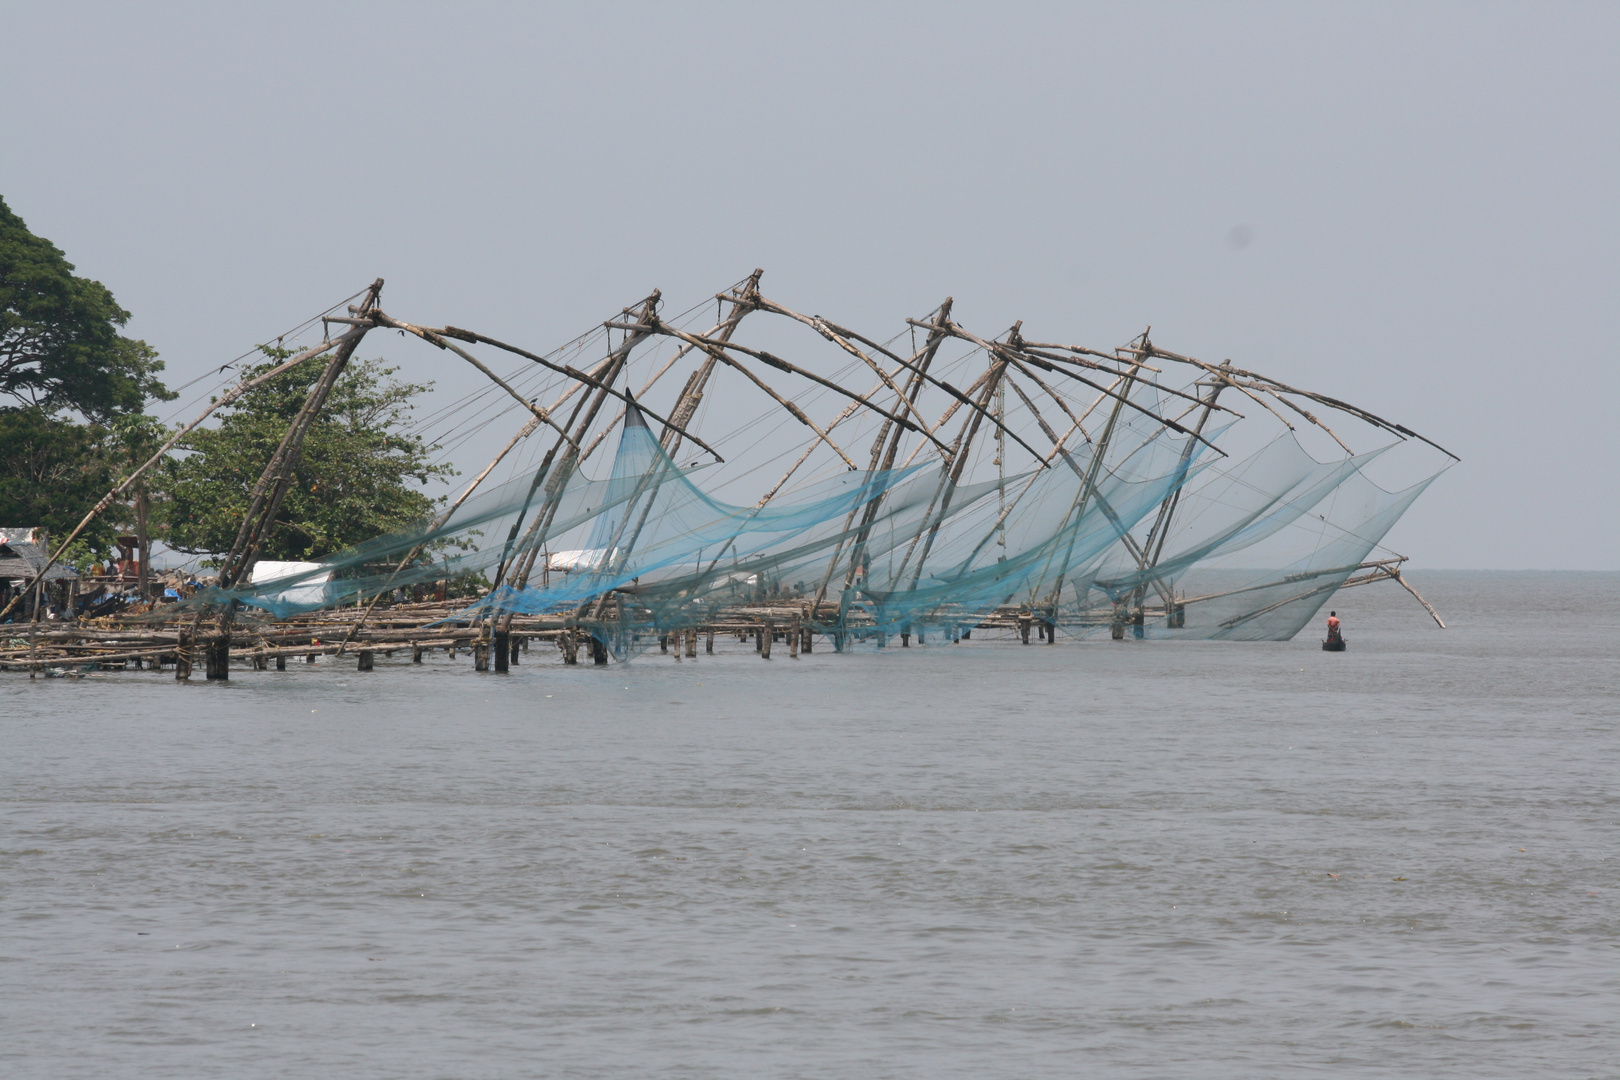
1427, 193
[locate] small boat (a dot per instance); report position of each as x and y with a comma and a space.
1335, 643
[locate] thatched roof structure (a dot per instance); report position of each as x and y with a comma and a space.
20, 560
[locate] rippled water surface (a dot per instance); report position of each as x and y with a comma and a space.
986, 860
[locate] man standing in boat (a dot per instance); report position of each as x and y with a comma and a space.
1333, 626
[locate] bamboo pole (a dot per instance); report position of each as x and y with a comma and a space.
1396, 574
887, 443
270, 489
223, 400
949, 482
721, 353
572, 372
433, 338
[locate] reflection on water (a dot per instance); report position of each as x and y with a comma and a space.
1120, 859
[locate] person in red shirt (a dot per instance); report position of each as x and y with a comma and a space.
1333, 625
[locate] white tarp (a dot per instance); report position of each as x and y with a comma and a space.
308, 581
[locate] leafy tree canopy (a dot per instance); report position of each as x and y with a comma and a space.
59, 342
51, 472
358, 475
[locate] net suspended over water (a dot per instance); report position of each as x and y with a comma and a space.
1078, 490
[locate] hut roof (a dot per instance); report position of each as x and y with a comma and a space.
20, 559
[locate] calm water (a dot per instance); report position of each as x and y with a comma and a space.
986, 860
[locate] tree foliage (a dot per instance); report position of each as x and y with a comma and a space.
59, 342
359, 474
52, 471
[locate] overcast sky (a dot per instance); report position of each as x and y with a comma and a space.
1409, 206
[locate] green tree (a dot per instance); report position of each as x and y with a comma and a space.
358, 476
51, 472
59, 342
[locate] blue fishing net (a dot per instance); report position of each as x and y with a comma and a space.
1147, 523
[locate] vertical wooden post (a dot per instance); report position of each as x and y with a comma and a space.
217, 657
691, 643
1023, 627
708, 641
365, 661
182, 658
793, 639
766, 633
416, 653
570, 647
481, 655
514, 646
281, 663
598, 651
503, 650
